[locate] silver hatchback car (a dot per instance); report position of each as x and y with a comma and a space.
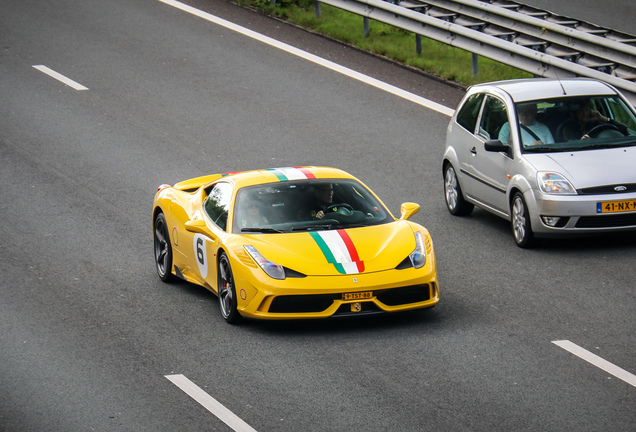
554, 157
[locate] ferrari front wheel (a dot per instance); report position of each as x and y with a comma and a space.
227, 291
163, 249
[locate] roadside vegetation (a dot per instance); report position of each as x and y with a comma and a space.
446, 62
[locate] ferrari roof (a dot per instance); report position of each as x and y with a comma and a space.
287, 173
268, 175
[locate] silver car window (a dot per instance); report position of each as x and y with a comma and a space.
493, 117
469, 112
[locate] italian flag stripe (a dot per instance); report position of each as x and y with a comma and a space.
278, 174
339, 250
353, 253
326, 251
307, 173
292, 173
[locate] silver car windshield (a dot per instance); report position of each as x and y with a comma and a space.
306, 205
575, 123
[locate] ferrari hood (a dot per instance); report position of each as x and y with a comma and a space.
590, 168
333, 252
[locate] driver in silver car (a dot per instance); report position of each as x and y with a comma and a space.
585, 119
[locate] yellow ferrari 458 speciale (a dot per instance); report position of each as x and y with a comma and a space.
292, 243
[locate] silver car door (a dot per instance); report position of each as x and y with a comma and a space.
490, 170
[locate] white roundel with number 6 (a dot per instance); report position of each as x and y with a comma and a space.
199, 244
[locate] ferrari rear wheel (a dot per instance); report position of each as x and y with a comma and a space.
227, 291
163, 249
455, 201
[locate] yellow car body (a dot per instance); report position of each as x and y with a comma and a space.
356, 260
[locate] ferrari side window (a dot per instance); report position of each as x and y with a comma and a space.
217, 204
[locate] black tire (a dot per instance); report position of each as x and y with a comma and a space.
227, 291
163, 249
520, 222
455, 202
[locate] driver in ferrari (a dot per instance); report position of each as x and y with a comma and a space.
321, 199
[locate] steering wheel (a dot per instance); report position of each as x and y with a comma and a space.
596, 130
343, 209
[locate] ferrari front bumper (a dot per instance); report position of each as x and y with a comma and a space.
326, 296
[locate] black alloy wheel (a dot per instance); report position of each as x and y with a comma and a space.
227, 291
163, 249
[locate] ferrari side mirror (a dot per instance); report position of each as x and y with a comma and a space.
408, 209
197, 226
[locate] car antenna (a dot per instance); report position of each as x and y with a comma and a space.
560, 83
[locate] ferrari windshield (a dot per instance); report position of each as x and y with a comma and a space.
575, 123
306, 205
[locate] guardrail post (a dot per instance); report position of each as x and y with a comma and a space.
366, 27
418, 44
540, 45
317, 9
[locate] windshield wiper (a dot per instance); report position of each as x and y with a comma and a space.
608, 146
547, 149
313, 227
261, 230
327, 227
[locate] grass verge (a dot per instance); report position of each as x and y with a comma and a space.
438, 59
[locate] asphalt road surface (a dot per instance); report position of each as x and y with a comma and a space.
91, 339
616, 14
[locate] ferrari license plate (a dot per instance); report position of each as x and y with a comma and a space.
615, 206
357, 296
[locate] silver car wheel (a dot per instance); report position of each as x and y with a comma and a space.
518, 220
450, 188
521, 227
455, 201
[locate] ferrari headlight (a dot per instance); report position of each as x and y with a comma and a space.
273, 270
554, 184
418, 256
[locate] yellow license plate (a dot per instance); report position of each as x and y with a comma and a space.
357, 296
616, 206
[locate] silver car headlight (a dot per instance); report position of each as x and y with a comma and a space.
418, 256
554, 184
273, 270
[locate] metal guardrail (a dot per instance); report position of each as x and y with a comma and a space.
533, 40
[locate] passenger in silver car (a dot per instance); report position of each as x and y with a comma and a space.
533, 133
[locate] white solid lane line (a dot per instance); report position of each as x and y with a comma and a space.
209, 403
69, 82
313, 58
597, 361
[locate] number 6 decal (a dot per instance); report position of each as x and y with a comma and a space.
199, 243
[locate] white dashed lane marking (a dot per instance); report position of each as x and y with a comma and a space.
597, 361
58, 76
209, 403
